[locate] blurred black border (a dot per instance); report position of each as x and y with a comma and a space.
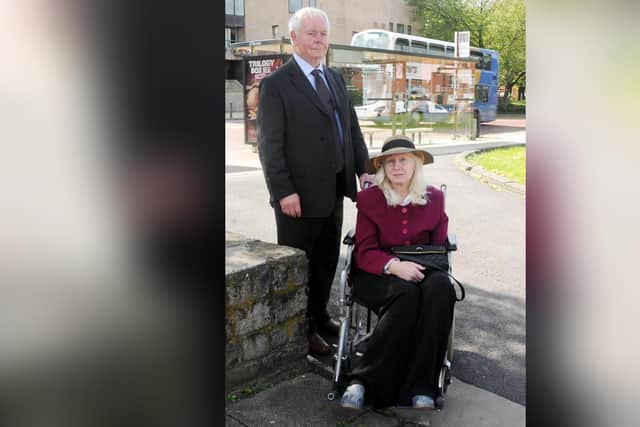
164, 64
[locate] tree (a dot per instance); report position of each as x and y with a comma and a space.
440, 19
493, 24
507, 35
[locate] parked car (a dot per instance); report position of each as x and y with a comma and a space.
431, 112
371, 110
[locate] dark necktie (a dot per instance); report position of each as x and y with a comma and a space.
327, 100
323, 91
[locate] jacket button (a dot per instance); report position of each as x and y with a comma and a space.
405, 231
404, 210
404, 222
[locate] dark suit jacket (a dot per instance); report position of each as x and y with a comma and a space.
296, 137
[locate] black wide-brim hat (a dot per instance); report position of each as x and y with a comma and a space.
394, 145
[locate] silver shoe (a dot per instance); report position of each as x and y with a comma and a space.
422, 402
353, 397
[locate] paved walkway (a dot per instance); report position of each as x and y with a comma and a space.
302, 402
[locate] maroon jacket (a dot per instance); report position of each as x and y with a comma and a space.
380, 227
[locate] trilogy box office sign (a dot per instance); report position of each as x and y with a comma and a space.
256, 69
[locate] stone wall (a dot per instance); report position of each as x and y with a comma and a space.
265, 311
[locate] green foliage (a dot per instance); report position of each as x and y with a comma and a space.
493, 24
355, 94
509, 162
441, 18
508, 106
244, 393
507, 35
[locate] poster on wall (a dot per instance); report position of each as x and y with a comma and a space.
255, 70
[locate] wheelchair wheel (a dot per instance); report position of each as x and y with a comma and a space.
444, 379
450, 340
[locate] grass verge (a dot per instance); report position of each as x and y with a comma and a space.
509, 162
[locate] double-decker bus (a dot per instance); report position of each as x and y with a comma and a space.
486, 80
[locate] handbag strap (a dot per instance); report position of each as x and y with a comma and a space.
462, 291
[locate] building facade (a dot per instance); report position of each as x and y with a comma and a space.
247, 20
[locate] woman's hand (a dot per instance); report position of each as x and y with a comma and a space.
407, 270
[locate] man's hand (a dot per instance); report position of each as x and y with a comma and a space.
365, 177
407, 270
290, 205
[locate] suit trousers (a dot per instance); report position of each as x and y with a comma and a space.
406, 350
320, 239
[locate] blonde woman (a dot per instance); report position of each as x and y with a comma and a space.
415, 305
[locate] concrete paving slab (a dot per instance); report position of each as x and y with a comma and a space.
231, 422
302, 402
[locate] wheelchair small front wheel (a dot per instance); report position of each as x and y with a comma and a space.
444, 379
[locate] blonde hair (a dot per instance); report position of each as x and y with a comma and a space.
417, 186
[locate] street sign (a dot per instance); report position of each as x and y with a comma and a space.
463, 39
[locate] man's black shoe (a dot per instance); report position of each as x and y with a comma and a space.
330, 327
317, 345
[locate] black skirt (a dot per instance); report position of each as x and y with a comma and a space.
406, 350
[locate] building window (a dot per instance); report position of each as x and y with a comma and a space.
234, 7
294, 5
227, 36
408, 29
400, 28
312, 3
390, 26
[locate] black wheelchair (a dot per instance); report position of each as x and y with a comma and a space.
355, 330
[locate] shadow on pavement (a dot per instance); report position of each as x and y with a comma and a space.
490, 343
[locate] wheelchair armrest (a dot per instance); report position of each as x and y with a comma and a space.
452, 244
350, 237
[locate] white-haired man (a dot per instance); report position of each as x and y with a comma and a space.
311, 150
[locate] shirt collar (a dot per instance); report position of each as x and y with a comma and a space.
305, 66
407, 200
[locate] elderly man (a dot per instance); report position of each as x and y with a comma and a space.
311, 150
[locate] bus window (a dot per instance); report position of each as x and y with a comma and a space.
450, 51
402, 45
436, 49
486, 62
376, 40
482, 93
418, 47
477, 55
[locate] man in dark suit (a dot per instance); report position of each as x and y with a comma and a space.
311, 150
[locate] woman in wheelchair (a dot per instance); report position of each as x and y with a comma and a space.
415, 306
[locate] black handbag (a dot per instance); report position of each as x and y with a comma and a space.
431, 257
